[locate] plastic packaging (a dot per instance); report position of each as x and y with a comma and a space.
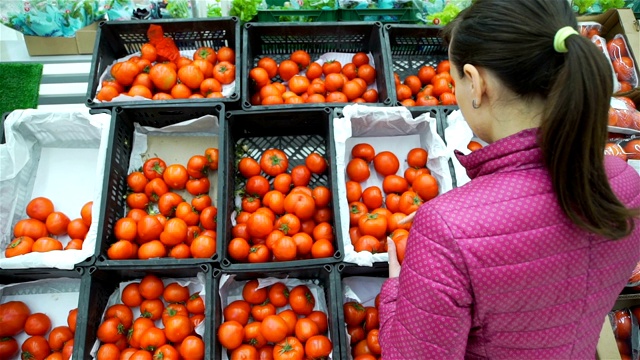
601, 43
623, 114
49, 18
626, 331
590, 28
622, 61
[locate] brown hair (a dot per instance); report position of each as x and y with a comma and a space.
514, 39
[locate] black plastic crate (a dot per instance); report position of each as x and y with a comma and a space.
8, 276
16, 276
114, 186
117, 39
278, 41
99, 284
324, 276
298, 133
379, 270
409, 47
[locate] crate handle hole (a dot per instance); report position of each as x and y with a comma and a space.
340, 267
246, 105
79, 270
337, 254
205, 267
234, 96
89, 101
102, 258
226, 263
171, 112
92, 269
216, 272
328, 268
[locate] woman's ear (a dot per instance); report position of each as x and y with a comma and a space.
476, 81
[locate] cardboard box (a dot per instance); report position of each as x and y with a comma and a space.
618, 21
82, 43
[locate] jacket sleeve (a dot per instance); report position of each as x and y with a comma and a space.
425, 313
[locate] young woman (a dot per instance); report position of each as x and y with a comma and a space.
526, 259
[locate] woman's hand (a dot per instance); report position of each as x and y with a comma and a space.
394, 265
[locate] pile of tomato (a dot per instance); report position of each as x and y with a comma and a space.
363, 324
122, 336
153, 77
375, 213
44, 228
16, 317
160, 221
429, 87
284, 324
330, 82
286, 219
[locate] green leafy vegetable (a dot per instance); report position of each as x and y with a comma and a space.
213, 11
178, 9
583, 5
444, 17
246, 10
611, 4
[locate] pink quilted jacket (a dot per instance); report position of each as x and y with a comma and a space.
494, 269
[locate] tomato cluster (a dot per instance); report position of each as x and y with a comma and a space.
294, 333
429, 87
160, 221
363, 326
370, 222
329, 82
41, 232
122, 336
153, 77
286, 220
16, 317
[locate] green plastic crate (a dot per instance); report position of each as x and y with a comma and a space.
295, 15
407, 14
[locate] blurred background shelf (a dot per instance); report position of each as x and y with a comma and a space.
64, 77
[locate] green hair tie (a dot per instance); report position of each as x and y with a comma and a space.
560, 37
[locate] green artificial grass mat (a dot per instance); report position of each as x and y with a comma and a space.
19, 86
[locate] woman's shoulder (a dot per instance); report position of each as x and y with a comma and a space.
624, 180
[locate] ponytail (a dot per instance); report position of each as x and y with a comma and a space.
517, 41
573, 134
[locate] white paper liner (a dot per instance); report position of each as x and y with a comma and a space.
175, 144
195, 285
361, 289
458, 135
227, 89
53, 297
382, 127
231, 290
60, 155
